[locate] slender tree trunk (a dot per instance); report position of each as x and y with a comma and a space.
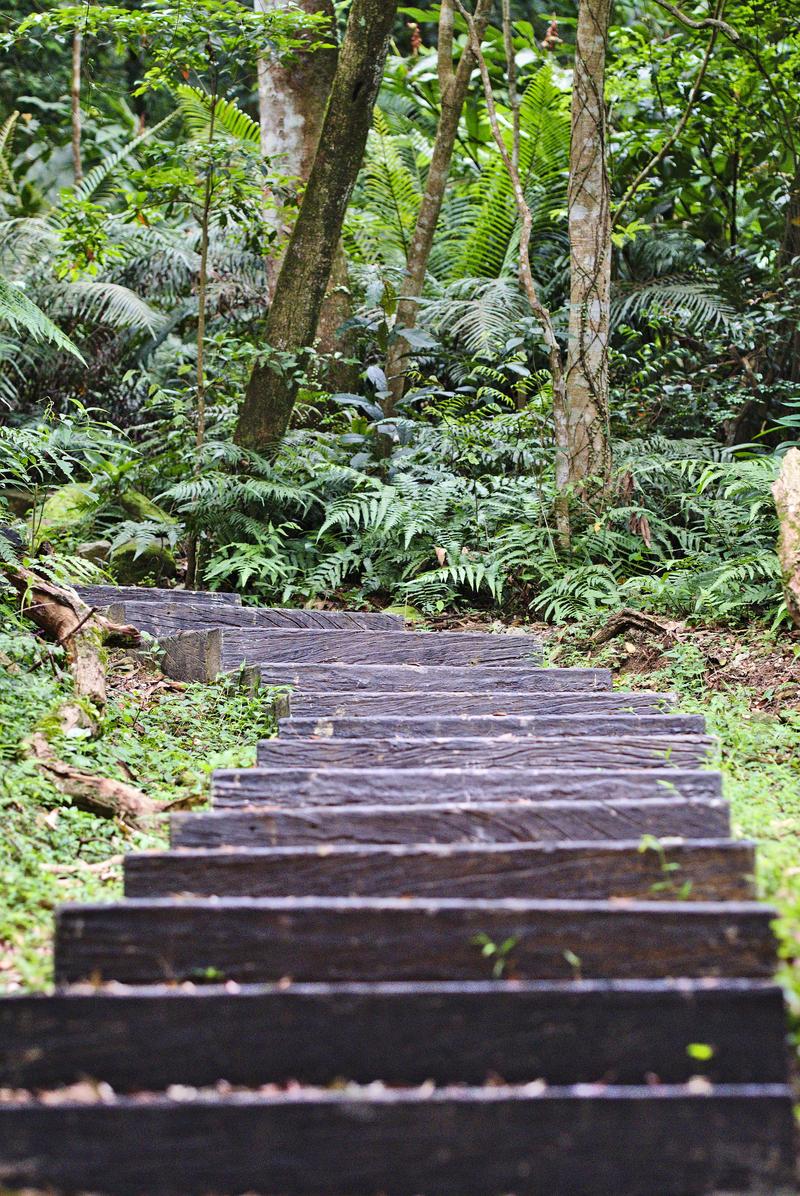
453, 87
75, 95
586, 415
291, 101
192, 554
527, 281
788, 266
308, 262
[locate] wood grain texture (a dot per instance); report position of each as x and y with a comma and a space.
166, 618
376, 678
400, 704
250, 646
317, 938
696, 870
564, 1032
587, 751
287, 787
193, 655
596, 1141
111, 595
473, 822
459, 726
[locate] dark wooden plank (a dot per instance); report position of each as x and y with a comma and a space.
330, 938
563, 1032
192, 655
400, 704
381, 647
474, 822
586, 751
101, 595
492, 725
382, 678
166, 618
695, 869
335, 786
589, 1141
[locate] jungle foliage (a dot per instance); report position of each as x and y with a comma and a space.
451, 501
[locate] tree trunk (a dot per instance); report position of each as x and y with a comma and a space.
75, 95
787, 501
587, 450
291, 101
453, 87
789, 265
307, 264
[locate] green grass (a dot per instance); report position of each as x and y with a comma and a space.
165, 742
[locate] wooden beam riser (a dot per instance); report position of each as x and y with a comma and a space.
604, 752
698, 870
289, 787
479, 822
563, 1033
462, 1142
383, 939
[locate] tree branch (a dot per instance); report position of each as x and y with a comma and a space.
704, 23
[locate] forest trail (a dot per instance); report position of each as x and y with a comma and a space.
472, 926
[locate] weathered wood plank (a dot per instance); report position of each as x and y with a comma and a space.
166, 618
562, 1032
101, 595
589, 1141
289, 787
489, 725
474, 822
319, 938
696, 870
382, 678
400, 704
381, 647
193, 655
587, 751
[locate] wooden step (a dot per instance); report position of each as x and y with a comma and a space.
383, 786
402, 705
473, 822
166, 618
248, 646
562, 1032
458, 726
103, 595
318, 938
421, 678
529, 1140
669, 869
586, 751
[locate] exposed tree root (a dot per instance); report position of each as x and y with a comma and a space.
96, 795
623, 620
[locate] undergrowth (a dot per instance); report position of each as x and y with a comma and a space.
164, 742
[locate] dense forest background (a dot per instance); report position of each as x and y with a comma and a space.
139, 213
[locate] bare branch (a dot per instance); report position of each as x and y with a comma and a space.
704, 23
511, 69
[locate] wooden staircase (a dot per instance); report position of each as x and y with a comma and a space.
471, 928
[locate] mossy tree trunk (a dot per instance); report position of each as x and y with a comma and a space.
586, 452
308, 262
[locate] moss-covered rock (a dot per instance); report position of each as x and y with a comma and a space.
63, 510
137, 506
155, 562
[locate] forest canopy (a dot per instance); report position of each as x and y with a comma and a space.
477, 304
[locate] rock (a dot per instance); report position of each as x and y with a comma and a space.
63, 509
155, 562
94, 550
137, 506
